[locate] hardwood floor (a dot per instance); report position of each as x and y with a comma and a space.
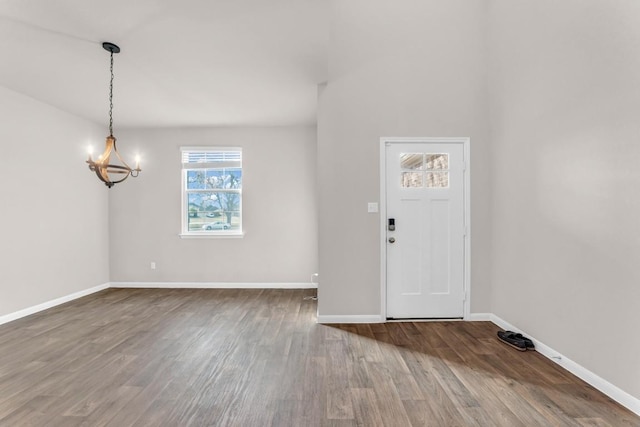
136, 357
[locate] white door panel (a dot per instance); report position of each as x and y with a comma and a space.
425, 252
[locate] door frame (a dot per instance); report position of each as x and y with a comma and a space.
465, 141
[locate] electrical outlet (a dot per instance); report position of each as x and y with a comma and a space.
153, 265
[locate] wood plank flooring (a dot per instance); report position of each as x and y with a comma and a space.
141, 357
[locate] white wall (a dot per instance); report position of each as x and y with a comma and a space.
402, 68
566, 147
279, 210
53, 219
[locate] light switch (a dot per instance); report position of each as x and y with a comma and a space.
372, 207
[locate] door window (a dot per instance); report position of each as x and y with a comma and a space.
419, 170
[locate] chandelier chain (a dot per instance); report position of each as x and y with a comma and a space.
111, 98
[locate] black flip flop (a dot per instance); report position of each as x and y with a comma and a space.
527, 342
510, 339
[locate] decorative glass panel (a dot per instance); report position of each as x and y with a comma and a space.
411, 179
437, 161
437, 179
411, 161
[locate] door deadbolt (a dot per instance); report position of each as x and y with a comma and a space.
392, 224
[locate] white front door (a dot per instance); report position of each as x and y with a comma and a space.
425, 229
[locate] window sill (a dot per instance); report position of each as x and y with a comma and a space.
236, 235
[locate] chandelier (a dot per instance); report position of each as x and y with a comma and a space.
110, 168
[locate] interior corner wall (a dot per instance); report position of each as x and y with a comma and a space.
565, 79
53, 219
399, 69
278, 208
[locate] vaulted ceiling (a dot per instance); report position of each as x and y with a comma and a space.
183, 63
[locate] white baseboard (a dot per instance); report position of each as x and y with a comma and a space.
363, 318
622, 397
479, 317
213, 285
49, 304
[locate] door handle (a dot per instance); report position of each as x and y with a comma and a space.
392, 239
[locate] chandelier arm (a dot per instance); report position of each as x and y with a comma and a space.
110, 147
115, 150
101, 173
116, 181
108, 182
117, 169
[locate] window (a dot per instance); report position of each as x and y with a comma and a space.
424, 170
211, 191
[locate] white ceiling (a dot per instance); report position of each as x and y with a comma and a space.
183, 63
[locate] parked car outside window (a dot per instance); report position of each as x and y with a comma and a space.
218, 225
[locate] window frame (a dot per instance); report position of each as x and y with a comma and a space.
184, 192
